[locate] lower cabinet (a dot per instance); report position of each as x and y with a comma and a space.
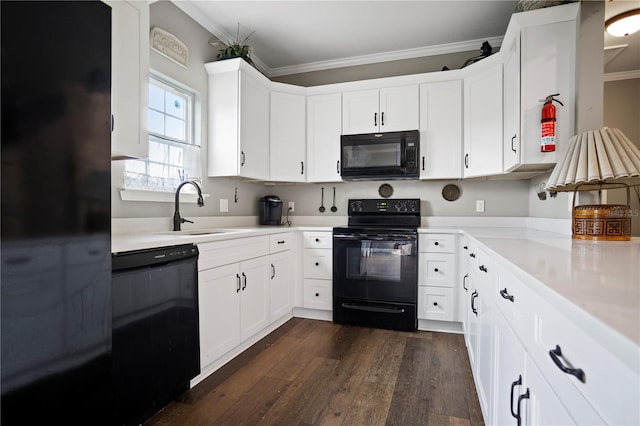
318, 270
234, 305
436, 277
281, 285
244, 286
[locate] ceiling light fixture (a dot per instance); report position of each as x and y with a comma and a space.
623, 24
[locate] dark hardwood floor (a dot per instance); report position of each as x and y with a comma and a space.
319, 373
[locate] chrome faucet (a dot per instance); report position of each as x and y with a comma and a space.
177, 220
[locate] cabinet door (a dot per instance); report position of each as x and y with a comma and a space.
360, 112
219, 310
483, 122
254, 296
511, 144
288, 132
485, 354
510, 359
281, 285
254, 127
324, 126
129, 78
441, 130
543, 407
399, 108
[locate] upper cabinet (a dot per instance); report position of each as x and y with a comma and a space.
129, 78
540, 56
387, 109
324, 125
483, 118
238, 120
288, 137
441, 130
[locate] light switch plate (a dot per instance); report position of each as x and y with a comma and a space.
224, 205
292, 206
480, 206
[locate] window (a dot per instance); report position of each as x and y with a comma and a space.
174, 155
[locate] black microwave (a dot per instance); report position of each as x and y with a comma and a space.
391, 155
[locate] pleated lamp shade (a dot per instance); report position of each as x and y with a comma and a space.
596, 157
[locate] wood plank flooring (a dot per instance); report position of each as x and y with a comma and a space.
319, 373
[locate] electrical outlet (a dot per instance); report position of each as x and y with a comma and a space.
224, 205
480, 206
292, 206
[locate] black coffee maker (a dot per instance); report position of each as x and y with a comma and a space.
270, 207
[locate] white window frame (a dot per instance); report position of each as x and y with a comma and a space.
165, 193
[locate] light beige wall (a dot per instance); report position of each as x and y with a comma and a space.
380, 70
622, 110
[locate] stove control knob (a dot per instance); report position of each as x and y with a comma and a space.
413, 206
356, 206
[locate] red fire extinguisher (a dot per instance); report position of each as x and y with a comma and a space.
548, 139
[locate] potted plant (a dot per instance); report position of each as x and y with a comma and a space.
237, 49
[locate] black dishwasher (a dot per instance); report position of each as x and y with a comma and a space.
156, 347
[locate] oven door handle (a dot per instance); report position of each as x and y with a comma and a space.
373, 308
386, 237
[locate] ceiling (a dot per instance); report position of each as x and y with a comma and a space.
299, 36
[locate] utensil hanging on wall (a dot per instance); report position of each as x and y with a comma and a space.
321, 209
333, 207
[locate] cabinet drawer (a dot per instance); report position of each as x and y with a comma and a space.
318, 294
515, 300
437, 243
220, 253
610, 386
436, 269
318, 264
280, 242
435, 303
318, 240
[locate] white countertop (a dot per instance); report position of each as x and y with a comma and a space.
602, 278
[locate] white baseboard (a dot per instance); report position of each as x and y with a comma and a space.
316, 314
440, 326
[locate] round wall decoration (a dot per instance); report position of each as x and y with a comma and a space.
451, 192
385, 190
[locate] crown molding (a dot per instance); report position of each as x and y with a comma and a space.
624, 75
397, 55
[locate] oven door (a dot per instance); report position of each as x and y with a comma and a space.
376, 267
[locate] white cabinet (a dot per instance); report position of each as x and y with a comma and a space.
238, 120
533, 74
436, 277
233, 294
318, 270
129, 78
483, 118
387, 109
281, 276
481, 329
324, 126
540, 61
288, 137
511, 85
441, 130
522, 395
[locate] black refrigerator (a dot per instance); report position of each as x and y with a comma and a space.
55, 212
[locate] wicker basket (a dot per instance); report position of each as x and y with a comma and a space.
602, 222
608, 222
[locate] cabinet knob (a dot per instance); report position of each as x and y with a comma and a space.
317, 263
317, 294
317, 240
436, 269
435, 303
436, 244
